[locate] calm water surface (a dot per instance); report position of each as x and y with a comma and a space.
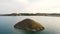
51, 24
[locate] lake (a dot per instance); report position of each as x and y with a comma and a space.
51, 24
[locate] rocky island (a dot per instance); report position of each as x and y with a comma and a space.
29, 25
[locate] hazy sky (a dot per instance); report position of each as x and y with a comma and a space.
29, 6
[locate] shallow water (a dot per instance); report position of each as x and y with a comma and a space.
51, 24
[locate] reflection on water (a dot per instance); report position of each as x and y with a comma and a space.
24, 32
51, 24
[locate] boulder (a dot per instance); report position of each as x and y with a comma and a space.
29, 25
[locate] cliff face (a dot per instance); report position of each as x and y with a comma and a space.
29, 25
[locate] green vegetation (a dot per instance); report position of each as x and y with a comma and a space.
31, 14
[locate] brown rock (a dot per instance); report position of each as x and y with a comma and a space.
29, 25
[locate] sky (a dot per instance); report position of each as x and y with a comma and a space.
29, 6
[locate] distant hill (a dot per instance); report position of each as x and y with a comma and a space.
31, 14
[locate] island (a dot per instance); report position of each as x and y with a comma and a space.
29, 25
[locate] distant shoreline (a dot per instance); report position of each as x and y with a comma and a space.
30, 14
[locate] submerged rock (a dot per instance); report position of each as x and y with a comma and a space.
29, 25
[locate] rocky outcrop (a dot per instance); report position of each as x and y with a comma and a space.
29, 25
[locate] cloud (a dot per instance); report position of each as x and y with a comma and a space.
5, 1
45, 6
12, 6
30, 6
